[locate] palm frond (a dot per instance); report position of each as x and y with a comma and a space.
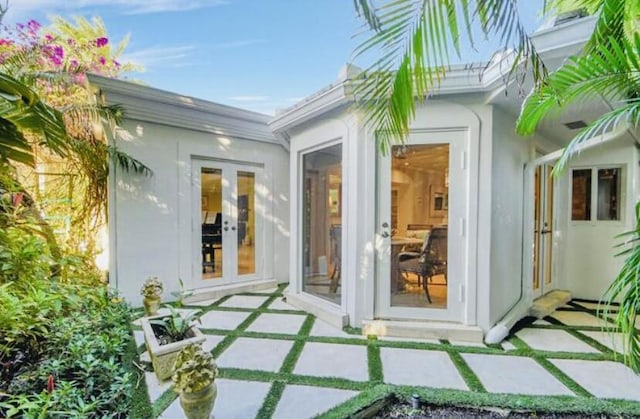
21, 107
366, 10
414, 40
625, 289
128, 163
612, 73
626, 113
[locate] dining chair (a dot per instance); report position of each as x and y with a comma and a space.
430, 261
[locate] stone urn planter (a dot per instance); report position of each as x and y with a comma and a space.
151, 291
193, 380
163, 355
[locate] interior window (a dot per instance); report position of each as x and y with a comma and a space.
608, 194
605, 194
581, 195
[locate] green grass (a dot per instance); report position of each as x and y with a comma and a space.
375, 391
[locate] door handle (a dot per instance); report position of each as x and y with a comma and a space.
385, 234
546, 231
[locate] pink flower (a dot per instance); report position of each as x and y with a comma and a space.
103, 60
100, 42
33, 25
48, 37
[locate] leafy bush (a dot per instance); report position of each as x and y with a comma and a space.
80, 372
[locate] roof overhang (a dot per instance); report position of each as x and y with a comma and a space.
147, 104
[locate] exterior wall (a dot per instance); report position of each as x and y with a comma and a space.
510, 152
151, 216
585, 250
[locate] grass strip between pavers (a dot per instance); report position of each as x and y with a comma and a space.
469, 377
376, 374
567, 381
271, 400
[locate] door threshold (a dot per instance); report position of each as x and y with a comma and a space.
423, 330
325, 311
220, 291
549, 302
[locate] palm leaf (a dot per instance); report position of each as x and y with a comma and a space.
414, 40
626, 289
612, 73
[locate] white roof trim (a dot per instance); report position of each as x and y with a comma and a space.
147, 104
557, 41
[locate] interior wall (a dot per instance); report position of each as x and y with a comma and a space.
585, 261
153, 215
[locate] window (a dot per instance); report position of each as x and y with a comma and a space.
322, 223
604, 194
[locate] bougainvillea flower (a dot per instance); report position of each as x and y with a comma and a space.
100, 42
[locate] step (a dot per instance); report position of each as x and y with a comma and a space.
423, 330
220, 291
549, 302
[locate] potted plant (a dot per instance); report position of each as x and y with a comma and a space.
165, 335
194, 380
151, 291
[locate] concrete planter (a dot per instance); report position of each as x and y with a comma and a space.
163, 357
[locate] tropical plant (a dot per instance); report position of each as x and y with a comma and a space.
48, 109
195, 369
175, 326
414, 39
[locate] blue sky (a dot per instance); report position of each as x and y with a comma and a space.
256, 54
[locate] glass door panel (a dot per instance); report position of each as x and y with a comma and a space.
322, 223
227, 222
543, 231
246, 223
418, 257
420, 242
211, 222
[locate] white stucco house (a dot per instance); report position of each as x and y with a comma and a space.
454, 234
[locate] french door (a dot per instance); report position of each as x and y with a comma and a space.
421, 228
543, 231
227, 222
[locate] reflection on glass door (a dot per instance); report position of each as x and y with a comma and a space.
211, 206
246, 223
227, 224
418, 257
543, 229
322, 223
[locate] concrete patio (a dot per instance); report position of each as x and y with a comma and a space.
276, 361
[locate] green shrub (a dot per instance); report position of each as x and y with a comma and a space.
24, 257
83, 354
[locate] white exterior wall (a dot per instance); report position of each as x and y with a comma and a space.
151, 217
585, 261
510, 153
